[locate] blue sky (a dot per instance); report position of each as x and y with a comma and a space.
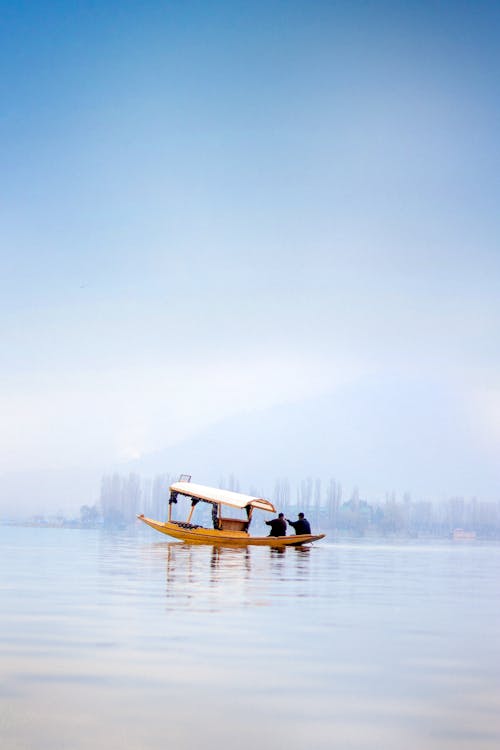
214, 208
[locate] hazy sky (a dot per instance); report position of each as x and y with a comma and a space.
216, 207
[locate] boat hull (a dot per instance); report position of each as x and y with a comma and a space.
201, 535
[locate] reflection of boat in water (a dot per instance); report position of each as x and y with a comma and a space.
462, 535
225, 531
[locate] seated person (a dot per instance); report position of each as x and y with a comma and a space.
301, 526
278, 526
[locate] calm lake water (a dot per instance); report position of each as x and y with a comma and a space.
119, 641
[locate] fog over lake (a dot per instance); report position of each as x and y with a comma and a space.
254, 238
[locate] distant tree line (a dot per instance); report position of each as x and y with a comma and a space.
123, 497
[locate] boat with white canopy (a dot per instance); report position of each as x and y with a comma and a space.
226, 530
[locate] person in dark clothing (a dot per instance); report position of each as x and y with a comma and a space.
301, 526
278, 525
215, 517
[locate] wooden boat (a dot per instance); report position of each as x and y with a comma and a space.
226, 531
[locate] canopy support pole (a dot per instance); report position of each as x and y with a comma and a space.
194, 501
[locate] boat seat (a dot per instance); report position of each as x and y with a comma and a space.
233, 524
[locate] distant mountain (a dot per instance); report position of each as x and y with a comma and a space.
380, 436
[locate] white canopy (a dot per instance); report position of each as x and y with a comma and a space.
213, 495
